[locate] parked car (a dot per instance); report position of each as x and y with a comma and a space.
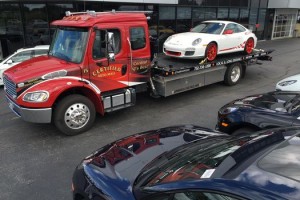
193, 163
261, 111
21, 55
291, 83
209, 39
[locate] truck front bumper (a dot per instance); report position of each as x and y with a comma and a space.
34, 115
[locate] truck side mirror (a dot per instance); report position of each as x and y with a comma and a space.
110, 46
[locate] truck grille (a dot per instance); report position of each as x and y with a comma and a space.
10, 87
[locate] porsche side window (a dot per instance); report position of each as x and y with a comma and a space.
240, 29
201, 196
99, 46
137, 38
231, 27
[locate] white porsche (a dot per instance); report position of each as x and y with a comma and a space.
209, 39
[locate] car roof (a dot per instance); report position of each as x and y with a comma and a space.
221, 21
34, 48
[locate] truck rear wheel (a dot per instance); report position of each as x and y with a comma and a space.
233, 74
74, 114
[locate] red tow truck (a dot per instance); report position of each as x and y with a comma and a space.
97, 63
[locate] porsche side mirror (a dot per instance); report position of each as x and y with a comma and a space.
228, 32
9, 62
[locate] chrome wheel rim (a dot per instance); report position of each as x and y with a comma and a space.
235, 74
77, 116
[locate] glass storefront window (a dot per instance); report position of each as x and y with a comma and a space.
184, 13
166, 13
184, 19
261, 23
11, 28
36, 24
58, 11
222, 13
210, 13
234, 14
283, 25
244, 16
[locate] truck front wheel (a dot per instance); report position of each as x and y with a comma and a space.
74, 114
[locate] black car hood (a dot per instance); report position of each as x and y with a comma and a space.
267, 101
121, 162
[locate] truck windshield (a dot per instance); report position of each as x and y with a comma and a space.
69, 44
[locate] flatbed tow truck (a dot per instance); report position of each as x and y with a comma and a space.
97, 62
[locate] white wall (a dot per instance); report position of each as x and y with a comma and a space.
284, 4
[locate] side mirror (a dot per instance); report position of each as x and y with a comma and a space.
110, 46
9, 62
228, 32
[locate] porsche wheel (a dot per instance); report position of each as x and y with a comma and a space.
211, 51
74, 114
233, 74
249, 46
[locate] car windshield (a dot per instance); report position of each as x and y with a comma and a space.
201, 160
209, 27
69, 44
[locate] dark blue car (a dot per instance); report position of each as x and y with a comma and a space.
193, 163
259, 112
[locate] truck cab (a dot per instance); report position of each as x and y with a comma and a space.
95, 64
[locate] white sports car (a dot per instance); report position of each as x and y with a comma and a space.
209, 39
291, 83
21, 55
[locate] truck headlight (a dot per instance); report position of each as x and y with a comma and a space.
196, 42
39, 96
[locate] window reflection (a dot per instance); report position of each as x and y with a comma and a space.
234, 14
11, 30
222, 13
210, 13
36, 24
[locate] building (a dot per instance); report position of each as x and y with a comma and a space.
26, 23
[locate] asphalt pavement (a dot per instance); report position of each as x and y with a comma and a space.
37, 162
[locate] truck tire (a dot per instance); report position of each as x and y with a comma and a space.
233, 74
74, 114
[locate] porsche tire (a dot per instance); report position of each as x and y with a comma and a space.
211, 51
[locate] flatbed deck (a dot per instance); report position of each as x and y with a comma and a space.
165, 65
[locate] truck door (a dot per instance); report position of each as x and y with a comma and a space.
138, 54
107, 74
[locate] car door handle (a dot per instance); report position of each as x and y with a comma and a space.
124, 70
